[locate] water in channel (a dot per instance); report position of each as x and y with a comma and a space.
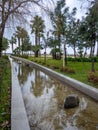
44, 98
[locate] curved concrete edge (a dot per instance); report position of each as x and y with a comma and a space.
19, 120
86, 89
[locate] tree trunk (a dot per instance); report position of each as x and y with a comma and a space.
59, 39
45, 55
90, 52
65, 51
1, 46
74, 53
36, 53
19, 45
85, 53
22, 46
36, 38
97, 49
12, 48
1, 38
92, 58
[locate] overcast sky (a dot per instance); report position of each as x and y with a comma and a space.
79, 5
71, 4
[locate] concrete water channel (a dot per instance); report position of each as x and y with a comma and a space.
43, 98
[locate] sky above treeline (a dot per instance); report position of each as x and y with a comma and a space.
81, 10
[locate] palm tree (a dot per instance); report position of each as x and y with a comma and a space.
59, 18
12, 42
17, 34
5, 44
37, 25
21, 34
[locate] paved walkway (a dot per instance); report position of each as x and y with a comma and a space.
19, 119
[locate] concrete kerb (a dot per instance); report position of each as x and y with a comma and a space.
19, 120
86, 89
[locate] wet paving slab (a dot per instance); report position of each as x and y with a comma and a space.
44, 98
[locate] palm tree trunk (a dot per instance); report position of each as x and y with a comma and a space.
22, 46
19, 45
12, 47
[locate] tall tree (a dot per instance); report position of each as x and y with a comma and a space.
37, 26
21, 35
58, 18
13, 10
89, 30
18, 36
24, 37
72, 34
12, 42
26, 44
5, 44
92, 20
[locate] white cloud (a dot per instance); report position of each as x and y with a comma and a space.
76, 3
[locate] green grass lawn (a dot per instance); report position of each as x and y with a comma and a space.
82, 69
5, 93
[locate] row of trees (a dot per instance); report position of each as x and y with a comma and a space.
13, 11
81, 35
22, 38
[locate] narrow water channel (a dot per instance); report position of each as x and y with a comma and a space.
44, 98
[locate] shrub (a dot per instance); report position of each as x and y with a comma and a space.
24, 56
43, 63
67, 70
5, 56
55, 67
96, 59
71, 59
93, 77
71, 71
48, 65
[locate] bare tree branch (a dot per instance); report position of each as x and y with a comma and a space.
14, 10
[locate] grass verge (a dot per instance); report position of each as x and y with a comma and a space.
81, 69
5, 94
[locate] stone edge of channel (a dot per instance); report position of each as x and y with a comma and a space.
86, 89
19, 120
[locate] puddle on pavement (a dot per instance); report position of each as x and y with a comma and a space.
44, 98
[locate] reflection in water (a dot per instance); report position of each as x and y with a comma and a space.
44, 98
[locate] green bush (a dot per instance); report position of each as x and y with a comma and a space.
24, 56
93, 77
67, 70
4, 56
96, 59
70, 59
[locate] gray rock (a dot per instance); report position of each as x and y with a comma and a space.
71, 101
